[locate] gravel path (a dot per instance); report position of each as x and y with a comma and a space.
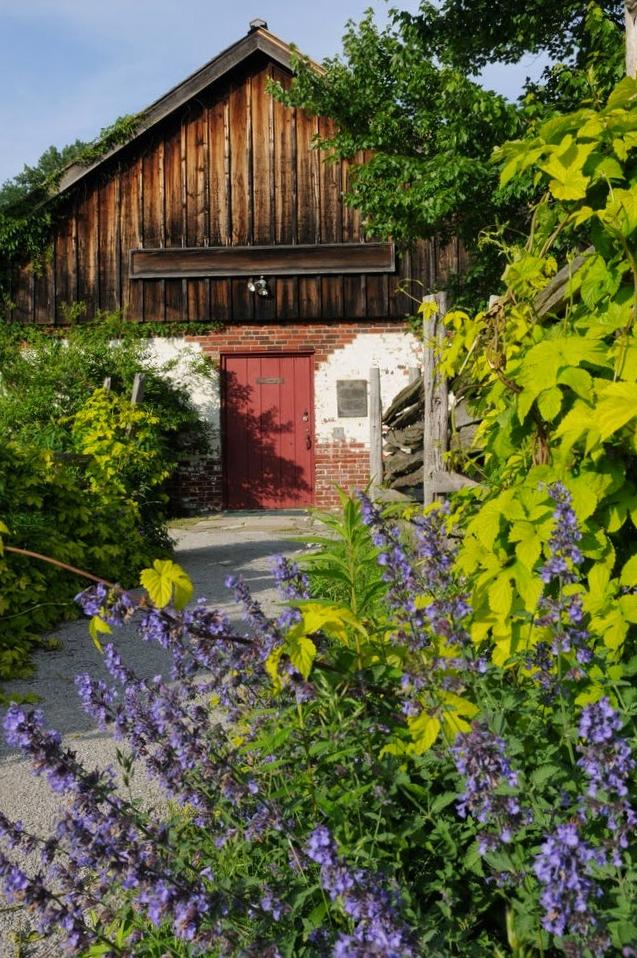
209, 550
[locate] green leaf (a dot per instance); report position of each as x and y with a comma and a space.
424, 729
628, 575
472, 861
549, 403
442, 801
528, 585
579, 380
628, 606
565, 165
617, 407
578, 423
501, 595
529, 543
97, 627
167, 581
614, 628
598, 579
540, 776
324, 617
623, 96
621, 211
302, 653
598, 281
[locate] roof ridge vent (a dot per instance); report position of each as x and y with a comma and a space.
258, 24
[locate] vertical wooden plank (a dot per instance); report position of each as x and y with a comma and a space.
240, 154
331, 223
152, 225
175, 218
21, 294
184, 210
262, 180
43, 301
219, 193
402, 288
238, 103
308, 208
131, 238
118, 238
219, 220
64, 267
377, 296
196, 206
106, 245
375, 428
262, 160
87, 233
354, 287
285, 186
436, 406
377, 286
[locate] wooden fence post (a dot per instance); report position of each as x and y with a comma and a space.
630, 21
375, 428
436, 412
137, 395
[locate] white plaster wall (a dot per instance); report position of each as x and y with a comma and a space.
177, 357
392, 353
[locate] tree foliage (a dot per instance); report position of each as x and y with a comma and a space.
405, 95
28, 202
473, 33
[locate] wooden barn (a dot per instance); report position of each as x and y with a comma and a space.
219, 212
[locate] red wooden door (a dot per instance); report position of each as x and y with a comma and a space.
269, 436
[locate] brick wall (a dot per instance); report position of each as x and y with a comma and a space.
196, 486
338, 461
320, 338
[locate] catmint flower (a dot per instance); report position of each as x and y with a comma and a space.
480, 757
290, 580
399, 573
607, 762
563, 615
563, 868
373, 909
113, 605
267, 634
565, 554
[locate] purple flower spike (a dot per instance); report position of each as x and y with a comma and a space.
372, 908
563, 868
480, 757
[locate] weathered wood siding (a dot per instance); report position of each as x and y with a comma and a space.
234, 167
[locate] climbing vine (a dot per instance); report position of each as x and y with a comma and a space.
29, 202
554, 380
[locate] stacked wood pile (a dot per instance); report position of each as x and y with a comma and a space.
403, 438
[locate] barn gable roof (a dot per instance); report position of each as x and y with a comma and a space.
258, 39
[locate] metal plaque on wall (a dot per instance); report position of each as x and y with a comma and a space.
351, 398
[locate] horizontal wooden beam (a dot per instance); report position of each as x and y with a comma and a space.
328, 259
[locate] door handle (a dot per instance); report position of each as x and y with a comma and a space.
308, 442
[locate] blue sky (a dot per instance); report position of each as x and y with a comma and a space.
70, 67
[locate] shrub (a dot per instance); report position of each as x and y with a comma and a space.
45, 379
86, 514
349, 785
82, 470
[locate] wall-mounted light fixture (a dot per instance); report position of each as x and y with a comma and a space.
259, 286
